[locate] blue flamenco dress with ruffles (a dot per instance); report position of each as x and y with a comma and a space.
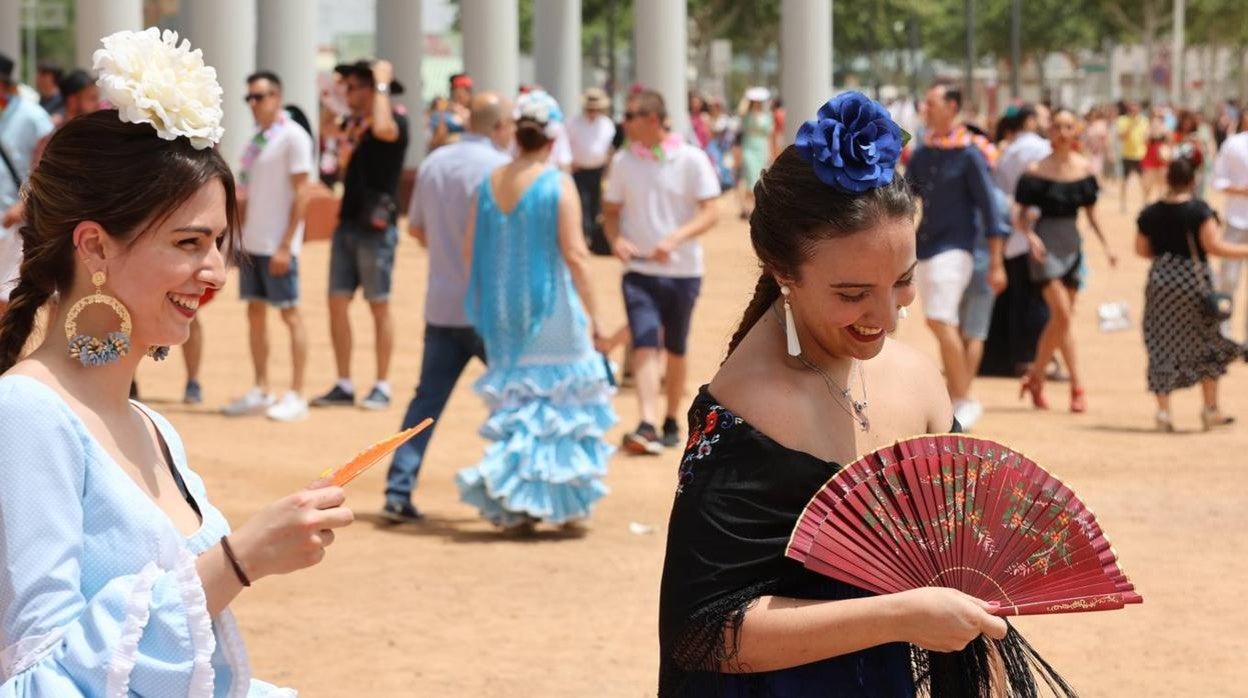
547, 389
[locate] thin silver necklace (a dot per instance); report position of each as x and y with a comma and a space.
859, 407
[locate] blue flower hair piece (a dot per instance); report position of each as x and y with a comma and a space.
852, 143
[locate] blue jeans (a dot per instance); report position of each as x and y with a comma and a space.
447, 352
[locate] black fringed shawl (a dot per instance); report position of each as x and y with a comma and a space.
738, 498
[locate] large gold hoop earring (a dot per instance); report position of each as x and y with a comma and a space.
93, 351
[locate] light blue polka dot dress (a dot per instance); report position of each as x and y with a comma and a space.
99, 594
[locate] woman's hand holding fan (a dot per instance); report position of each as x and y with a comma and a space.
945, 620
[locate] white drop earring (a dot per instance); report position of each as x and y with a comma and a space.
790, 327
902, 313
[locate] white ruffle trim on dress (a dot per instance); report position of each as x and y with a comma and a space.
203, 641
138, 612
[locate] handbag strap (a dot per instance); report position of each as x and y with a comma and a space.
1196, 267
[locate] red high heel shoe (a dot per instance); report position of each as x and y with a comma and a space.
1078, 401
1034, 386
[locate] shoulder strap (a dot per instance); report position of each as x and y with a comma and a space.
5, 115
1191, 246
169, 462
8, 165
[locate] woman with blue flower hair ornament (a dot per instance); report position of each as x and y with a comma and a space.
116, 571
811, 380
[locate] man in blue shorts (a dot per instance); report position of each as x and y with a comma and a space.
275, 167
659, 199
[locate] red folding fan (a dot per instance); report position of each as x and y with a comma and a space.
965, 513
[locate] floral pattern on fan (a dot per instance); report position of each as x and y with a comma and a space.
704, 433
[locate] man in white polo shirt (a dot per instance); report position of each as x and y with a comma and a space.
1230, 176
274, 169
590, 134
660, 197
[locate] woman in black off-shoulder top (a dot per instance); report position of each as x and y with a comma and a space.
1050, 196
812, 380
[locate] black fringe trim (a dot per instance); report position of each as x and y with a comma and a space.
987, 669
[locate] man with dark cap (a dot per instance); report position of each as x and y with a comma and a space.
48, 85
362, 254
81, 96
22, 124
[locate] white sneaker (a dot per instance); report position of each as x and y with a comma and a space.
291, 408
254, 402
968, 412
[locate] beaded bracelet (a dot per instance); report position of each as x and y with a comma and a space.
238, 568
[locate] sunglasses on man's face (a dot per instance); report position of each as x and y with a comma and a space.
255, 97
630, 115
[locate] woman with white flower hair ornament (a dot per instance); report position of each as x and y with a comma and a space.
531, 300
116, 572
812, 379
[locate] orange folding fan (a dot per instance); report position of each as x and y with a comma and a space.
967, 513
366, 458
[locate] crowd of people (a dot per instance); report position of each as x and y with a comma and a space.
1001, 258
108, 206
1003, 255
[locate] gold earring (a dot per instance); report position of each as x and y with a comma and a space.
94, 351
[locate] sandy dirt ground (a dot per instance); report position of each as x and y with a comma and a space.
452, 608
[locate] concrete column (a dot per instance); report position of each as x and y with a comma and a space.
1178, 56
96, 20
660, 31
491, 44
557, 49
226, 32
11, 33
286, 45
805, 60
400, 40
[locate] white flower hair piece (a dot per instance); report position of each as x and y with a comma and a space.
539, 106
152, 79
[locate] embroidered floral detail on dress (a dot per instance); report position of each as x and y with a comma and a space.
705, 431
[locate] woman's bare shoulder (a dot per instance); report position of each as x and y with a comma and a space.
762, 393
910, 374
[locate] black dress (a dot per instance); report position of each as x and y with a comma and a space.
1184, 343
738, 498
1059, 204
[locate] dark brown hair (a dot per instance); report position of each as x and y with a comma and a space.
120, 175
950, 91
530, 135
1180, 174
1188, 122
794, 211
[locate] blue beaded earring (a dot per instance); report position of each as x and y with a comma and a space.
94, 351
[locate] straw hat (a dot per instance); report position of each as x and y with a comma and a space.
595, 98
